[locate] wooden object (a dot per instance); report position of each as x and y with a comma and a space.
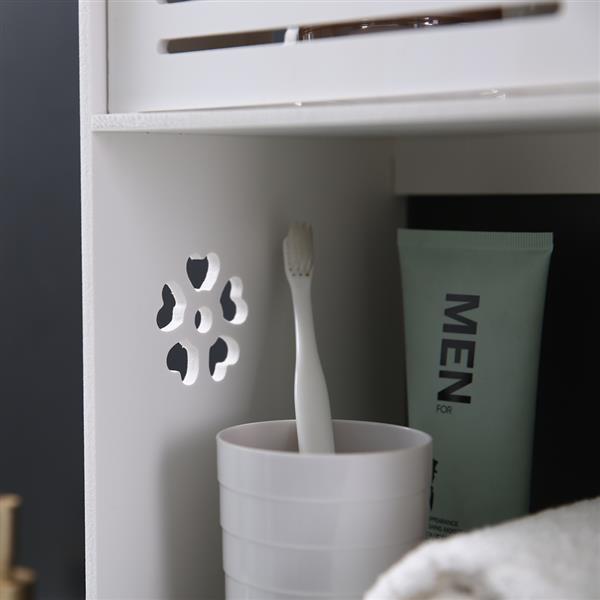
16, 583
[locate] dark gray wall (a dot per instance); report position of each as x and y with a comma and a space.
41, 442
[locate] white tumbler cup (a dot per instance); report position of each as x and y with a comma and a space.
299, 526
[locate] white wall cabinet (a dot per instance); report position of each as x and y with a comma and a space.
212, 154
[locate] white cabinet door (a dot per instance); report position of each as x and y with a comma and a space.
551, 48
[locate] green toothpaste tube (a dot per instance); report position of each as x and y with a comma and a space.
473, 312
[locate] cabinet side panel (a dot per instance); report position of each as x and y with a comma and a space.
93, 95
160, 200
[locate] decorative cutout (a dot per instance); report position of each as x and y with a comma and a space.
221, 41
235, 309
183, 357
177, 360
203, 271
203, 319
171, 313
222, 354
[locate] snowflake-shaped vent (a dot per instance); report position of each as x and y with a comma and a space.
206, 323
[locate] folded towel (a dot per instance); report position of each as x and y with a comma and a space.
554, 554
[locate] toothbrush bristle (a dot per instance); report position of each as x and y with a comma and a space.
298, 250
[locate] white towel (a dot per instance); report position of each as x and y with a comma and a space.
554, 554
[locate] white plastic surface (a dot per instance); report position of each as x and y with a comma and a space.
93, 99
292, 521
308, 572
320, 524
155, 201
559, 49
505, 110
500, 163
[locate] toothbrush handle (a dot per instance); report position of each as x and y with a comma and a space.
313, 413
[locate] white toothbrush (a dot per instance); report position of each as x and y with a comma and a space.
313, 414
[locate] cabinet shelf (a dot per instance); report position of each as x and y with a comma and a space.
487, 110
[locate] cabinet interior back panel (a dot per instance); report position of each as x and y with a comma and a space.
542, 162
541, 54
